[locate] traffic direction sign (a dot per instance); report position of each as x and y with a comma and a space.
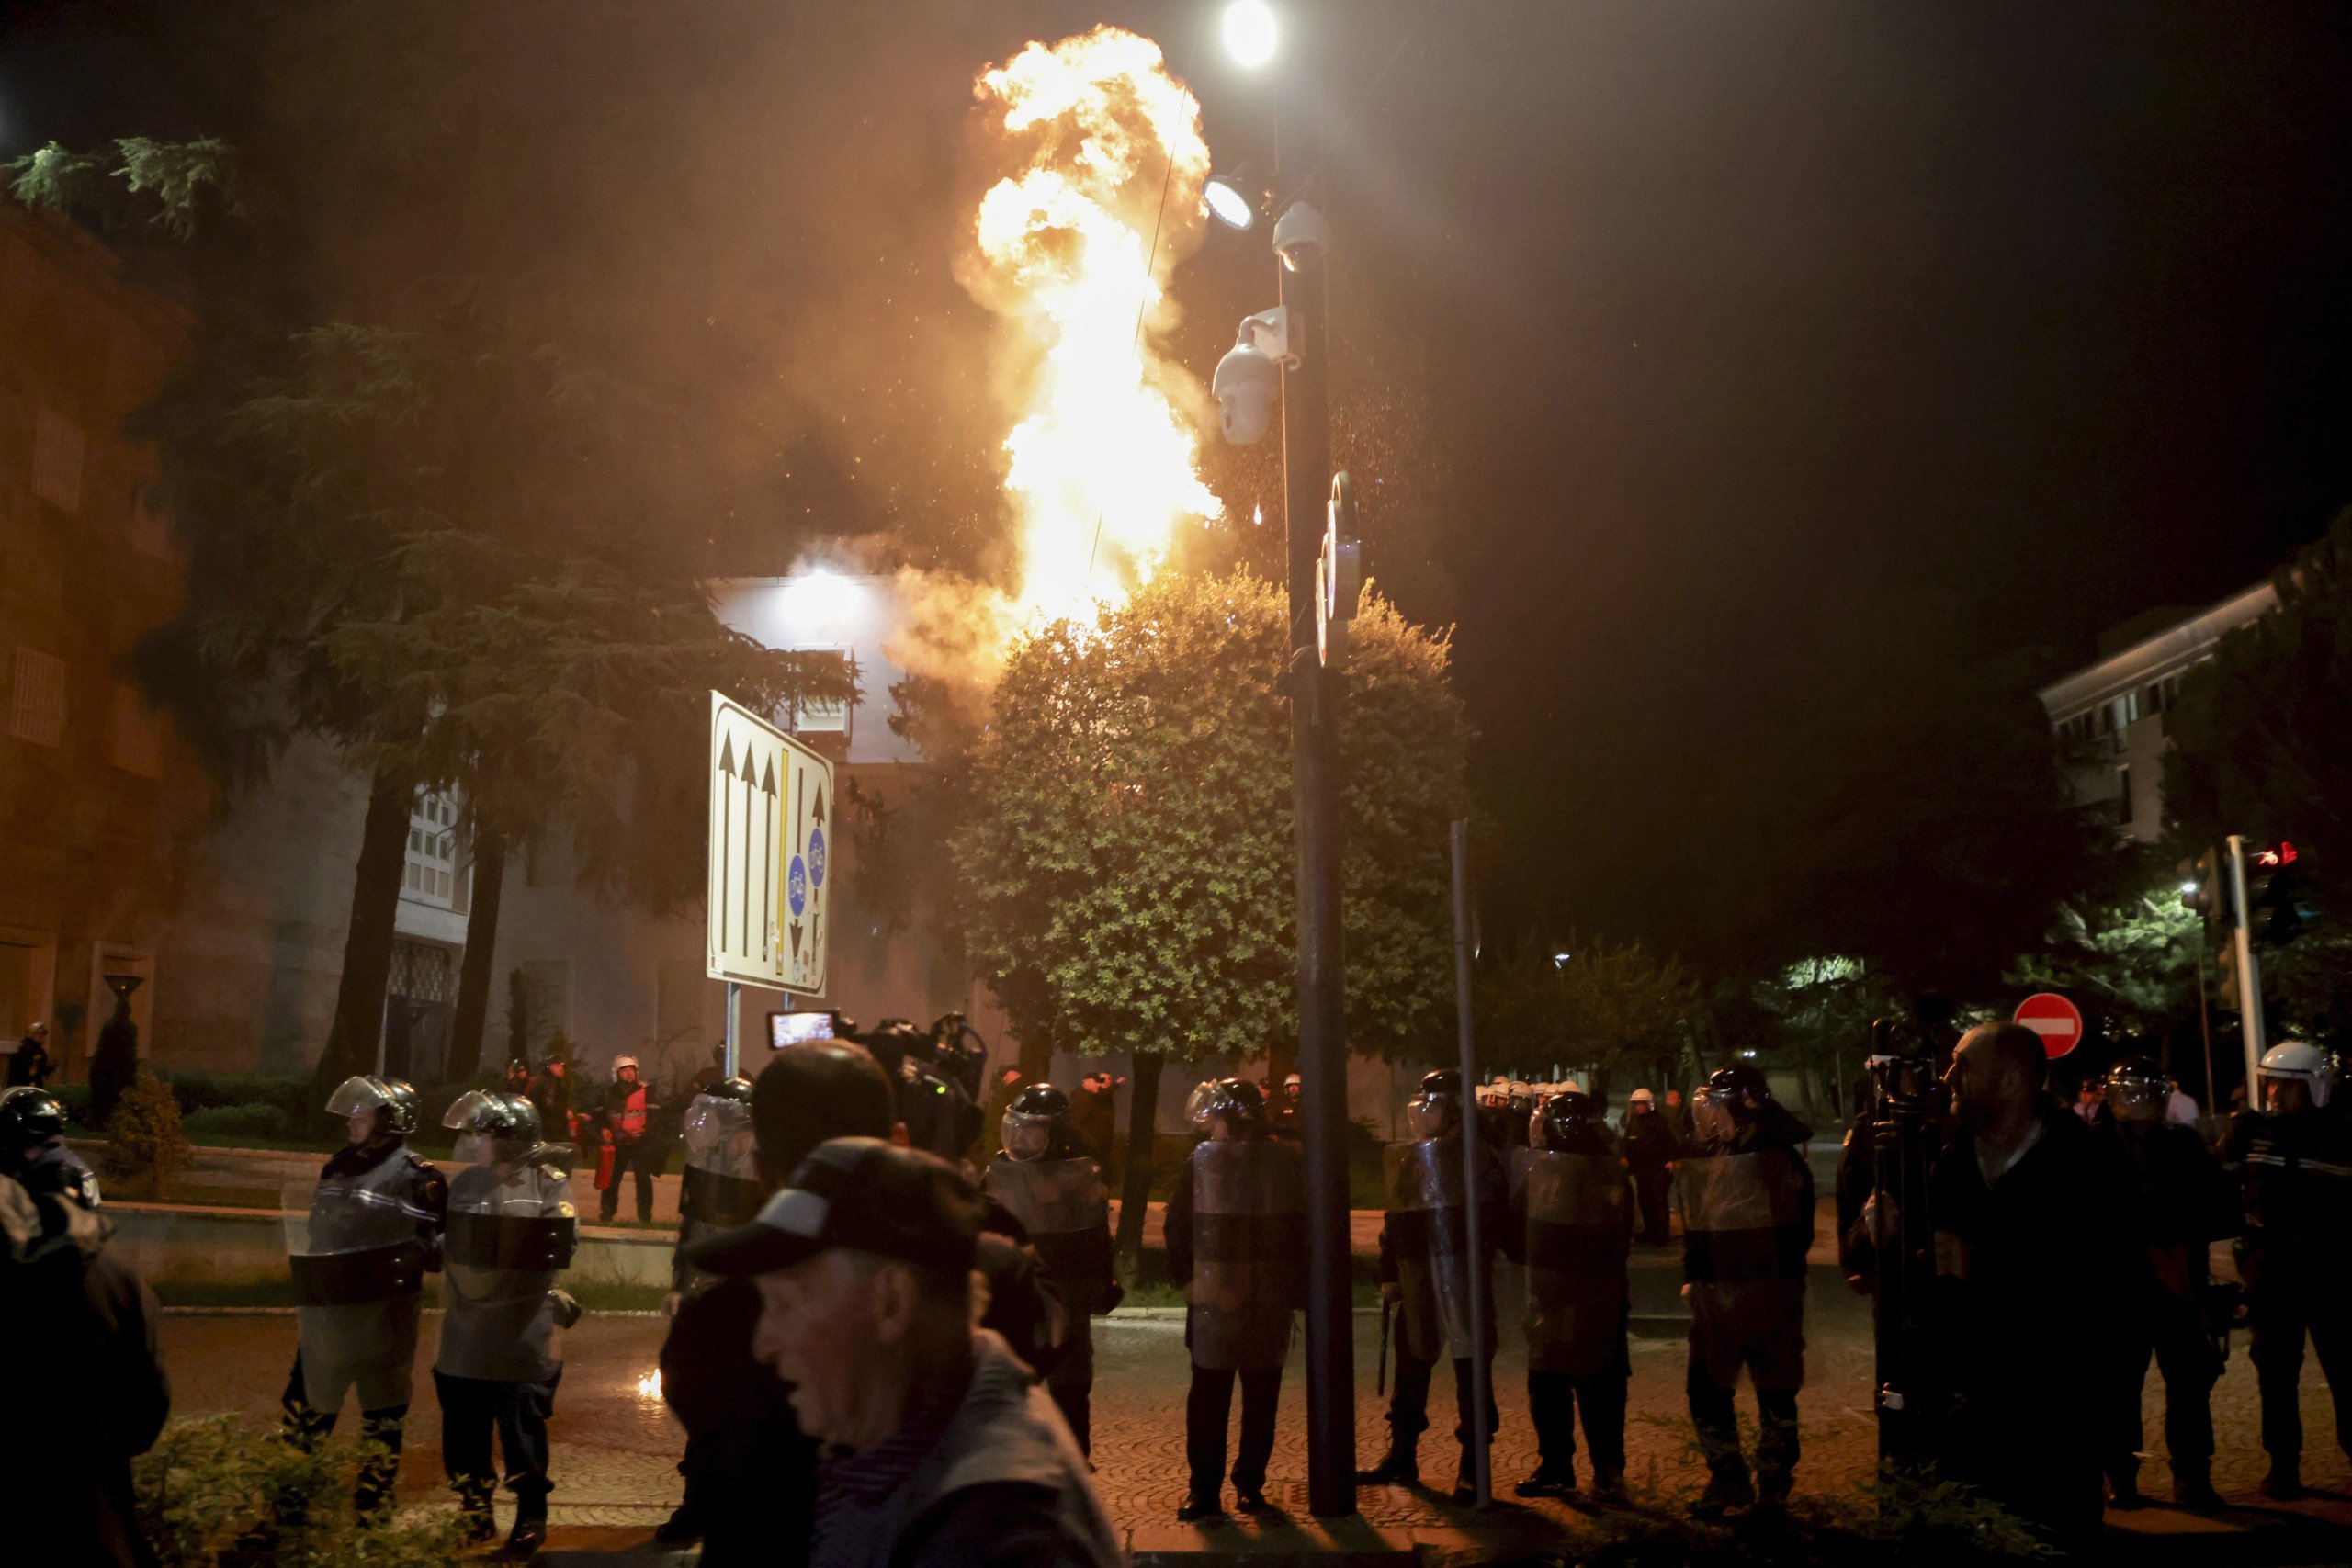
2056, 1019
771, 806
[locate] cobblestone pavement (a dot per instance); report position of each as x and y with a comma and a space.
616, 1446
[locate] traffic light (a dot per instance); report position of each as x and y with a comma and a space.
2276, 892
2225, 991
2205, 888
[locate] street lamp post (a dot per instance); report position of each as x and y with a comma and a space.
1251, 34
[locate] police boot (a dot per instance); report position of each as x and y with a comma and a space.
530, 1531
1728, 1488
1608, 1486
2123, 1488
1551, 1481
1400, 1466
2192, 1486
2285, 1482
474, 1493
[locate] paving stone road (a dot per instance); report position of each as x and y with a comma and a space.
616, 1446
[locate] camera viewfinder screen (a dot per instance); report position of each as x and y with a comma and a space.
792, 1028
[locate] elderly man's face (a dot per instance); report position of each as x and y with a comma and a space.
818, 1329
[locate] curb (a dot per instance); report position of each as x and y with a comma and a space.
429, 1312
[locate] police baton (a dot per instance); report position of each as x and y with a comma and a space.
1380, 1386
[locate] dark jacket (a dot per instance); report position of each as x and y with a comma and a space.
2019, 1263
89, 1372
2182, 1200
1003, 1486
29, 1064
754, 1470
1095, 1115
2294, 1176
1649, 1140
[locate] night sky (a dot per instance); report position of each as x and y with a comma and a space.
1736, 314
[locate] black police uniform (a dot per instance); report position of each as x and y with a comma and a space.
2183, 1203
1424, 1249
1065, 1207
1572, 1220
92, 1384
2295, 1173
358, 1298
1746, 1206
1236, 1230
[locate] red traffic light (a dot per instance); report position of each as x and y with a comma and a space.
2272, 859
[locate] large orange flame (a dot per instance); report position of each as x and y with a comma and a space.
1073, 247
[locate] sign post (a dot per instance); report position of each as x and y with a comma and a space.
771, 800
2056, 1019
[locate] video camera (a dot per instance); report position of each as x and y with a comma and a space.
1905, 1081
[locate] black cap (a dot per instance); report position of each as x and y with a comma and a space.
860, 1193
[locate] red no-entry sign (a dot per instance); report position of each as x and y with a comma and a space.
2056, 1019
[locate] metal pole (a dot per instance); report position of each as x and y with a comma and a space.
2205, 1024
1322, 1042
1473, 1146
734, 1045
2249, 975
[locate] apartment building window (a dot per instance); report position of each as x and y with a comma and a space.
2123, 796
59, 447
432, 869
36, 697
823, 717
134, 734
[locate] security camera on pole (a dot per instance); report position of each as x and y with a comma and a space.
1282, 352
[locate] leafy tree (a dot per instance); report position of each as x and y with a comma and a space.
443, 544
2262, 746
1611, 1007
1128, 866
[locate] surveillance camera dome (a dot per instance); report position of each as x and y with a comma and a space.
1301, 236
1247, 385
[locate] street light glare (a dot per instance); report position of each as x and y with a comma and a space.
1227, 205
1250, 32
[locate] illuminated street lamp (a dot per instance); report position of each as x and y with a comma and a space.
1251, 33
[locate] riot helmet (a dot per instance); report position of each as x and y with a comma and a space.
1235, 1105
1435, 1109
1642, 1099
2293, 1062
1731, 1096
1566, 1122
630, 1064
493, 1128
374, 1106
29, 1117
2136, 1091
1518, 1097
1036, 1120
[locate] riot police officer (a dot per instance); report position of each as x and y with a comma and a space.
2294, 1162
1237, 1242
2184, 1204
1746, 1196
369, 1230
1425, 1265
84, 1379
511, 1230
1048, 1181
1573, 1222
720, 1188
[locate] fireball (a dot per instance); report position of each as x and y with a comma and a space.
1102, 163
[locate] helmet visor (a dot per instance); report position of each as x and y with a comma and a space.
1711, 1115
2138, 1100
354, 1095
1027, 1137
711, 1122
466, 1110
1430, 1115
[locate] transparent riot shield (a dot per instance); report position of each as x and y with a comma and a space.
512, 1230
721, 1181
357, 1253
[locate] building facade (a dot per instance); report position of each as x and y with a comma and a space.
95, 796
2110, 715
